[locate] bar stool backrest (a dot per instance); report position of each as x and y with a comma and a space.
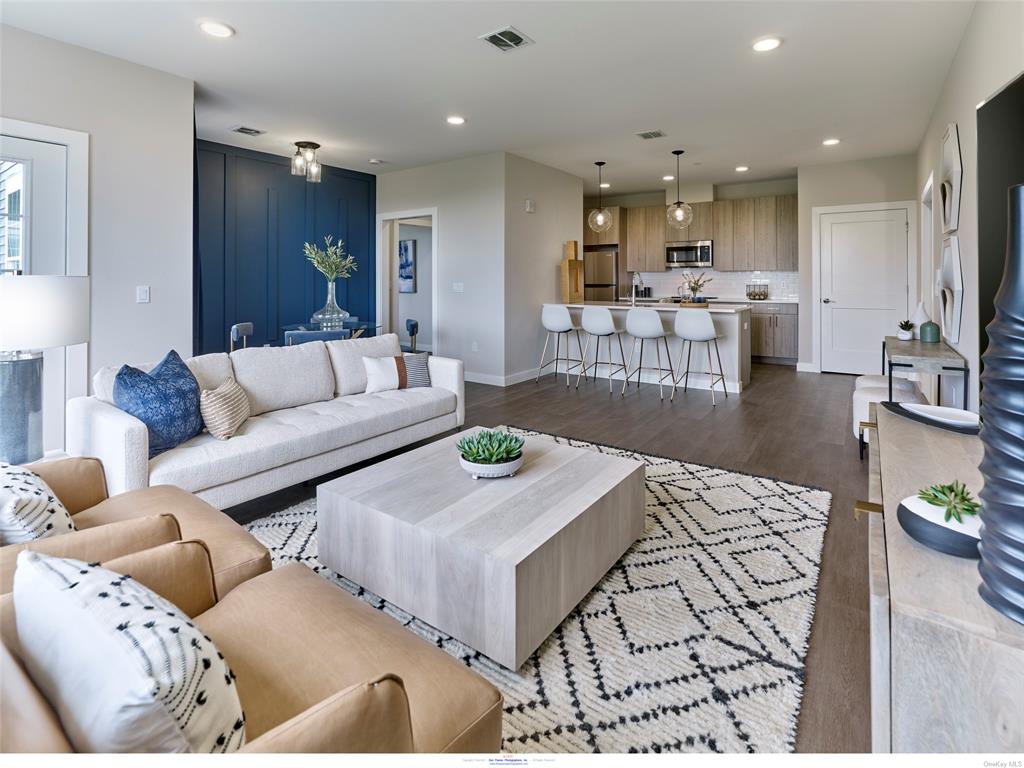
644, 324
598, 321
555, 318
695, 325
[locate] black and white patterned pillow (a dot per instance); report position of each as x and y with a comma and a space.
125, 669
29, 510
417, 369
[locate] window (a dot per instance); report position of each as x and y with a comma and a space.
12, 217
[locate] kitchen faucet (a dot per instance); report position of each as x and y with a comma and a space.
638, 282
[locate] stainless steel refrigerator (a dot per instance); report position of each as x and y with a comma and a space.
600, 273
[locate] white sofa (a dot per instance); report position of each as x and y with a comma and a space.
310, 415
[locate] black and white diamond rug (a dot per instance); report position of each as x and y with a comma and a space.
694, 641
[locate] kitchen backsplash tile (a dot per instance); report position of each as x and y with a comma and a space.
732, 285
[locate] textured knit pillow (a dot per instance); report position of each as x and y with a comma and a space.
29, 510
402, 372
166, 400
125, 670
224, 409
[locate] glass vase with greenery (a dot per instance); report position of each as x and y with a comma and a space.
333, 263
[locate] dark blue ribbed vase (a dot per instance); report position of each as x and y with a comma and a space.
1002, 432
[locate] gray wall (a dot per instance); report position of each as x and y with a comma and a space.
139, 122
417, 306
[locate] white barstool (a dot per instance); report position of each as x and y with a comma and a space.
600, 323
642, 325
556, 320
696, 325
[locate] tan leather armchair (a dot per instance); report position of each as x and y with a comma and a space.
318, 670
107, 528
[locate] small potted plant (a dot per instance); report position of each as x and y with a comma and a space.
695, 285
945, 517
491, 454
906, 331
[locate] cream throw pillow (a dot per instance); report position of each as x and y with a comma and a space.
29, 510
125, 670
224, 409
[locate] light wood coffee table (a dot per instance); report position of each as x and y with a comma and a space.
495, 563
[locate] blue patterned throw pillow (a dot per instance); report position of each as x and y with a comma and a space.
166, 400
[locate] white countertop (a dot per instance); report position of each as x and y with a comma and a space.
720, 308
770, 300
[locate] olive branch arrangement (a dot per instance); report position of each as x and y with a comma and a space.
954, 497
694, 284
333, 262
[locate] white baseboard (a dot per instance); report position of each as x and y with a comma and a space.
484, 378
807, 368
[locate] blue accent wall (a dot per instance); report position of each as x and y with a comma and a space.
253, 217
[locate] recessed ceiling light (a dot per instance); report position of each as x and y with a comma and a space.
455, 120
668, 178
742, 169
830, 142
605, 185
216, 29
765, 44
375, 161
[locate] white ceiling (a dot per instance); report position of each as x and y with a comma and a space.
376, 79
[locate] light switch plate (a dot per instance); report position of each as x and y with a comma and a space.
531, 206
142, 294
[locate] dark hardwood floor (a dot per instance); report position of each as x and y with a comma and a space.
788, 425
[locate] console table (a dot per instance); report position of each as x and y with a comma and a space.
947, 671
924, 357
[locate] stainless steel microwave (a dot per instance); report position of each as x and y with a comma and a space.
691, 253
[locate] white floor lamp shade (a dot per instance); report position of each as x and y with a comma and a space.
36, 312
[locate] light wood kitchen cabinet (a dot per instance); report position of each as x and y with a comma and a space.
765, 234
722, 255
743, 234
786, 337
611, 235
701, 228
655, 225
762, 339
786, 236
774, 331
636, 240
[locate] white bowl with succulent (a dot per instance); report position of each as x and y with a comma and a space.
490, 453
333, 263
906, 330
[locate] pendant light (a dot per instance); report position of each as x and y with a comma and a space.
679, 214
600, 219
304, 162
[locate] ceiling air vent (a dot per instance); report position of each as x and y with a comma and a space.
651, 134
507, 39
246, 130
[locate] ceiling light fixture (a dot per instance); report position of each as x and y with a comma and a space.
216, 29
605, 185
679, 214
375, 161
742, 168
830, 142
455, 120
304, 162
600, 219
668, 178
765, 44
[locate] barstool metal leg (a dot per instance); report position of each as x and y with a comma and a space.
711, 373
721, 370
583, 363
657, 351
689, 351
625, 379
640, 365
543, 354
668, 356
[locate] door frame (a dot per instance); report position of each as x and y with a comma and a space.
926, 267
384, 272
76, 251
910, 206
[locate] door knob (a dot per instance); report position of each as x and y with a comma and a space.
826, 301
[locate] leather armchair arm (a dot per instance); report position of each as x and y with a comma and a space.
118, 439
94, 545
180, 572
448, 373
78, 482
366, 717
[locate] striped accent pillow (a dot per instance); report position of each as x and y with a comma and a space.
29, 509
402, 372
224, 409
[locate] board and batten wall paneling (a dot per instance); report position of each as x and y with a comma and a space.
254, 218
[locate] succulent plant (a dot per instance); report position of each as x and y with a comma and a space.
954, 497
490, 447
906, 325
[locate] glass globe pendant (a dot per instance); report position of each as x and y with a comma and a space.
600, 219
679, 214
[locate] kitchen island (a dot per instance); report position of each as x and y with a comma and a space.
732, 321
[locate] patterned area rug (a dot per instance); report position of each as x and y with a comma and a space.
694, 641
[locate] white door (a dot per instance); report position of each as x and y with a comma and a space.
865, 285
33, 240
